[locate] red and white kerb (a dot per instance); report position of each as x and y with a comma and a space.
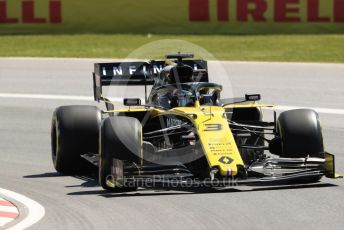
8, 212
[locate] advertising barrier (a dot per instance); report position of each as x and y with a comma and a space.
172, 17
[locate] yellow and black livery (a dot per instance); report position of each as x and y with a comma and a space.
185, 133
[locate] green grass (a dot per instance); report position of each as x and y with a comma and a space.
289, 48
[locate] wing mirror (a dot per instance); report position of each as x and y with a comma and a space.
132, 101
252, 97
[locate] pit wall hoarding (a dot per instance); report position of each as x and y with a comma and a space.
172, 17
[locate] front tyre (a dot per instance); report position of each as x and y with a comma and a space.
120, 138
300, 134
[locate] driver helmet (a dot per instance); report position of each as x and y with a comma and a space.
182, 98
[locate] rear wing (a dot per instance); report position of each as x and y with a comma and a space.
133, 73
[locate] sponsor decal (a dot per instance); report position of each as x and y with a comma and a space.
187, 16
132, 69
226, 160
220, 148
212, 127
283, 10
28, 13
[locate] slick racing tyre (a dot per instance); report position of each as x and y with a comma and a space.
300, 134
121, 139
74, 131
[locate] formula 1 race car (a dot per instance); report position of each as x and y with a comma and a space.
184, 133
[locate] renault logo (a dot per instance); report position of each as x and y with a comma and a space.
226, 160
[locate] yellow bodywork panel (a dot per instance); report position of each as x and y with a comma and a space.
216, 137
153, 111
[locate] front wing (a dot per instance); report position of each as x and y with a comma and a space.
266, 172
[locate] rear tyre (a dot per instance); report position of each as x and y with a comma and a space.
120, 138
74, 131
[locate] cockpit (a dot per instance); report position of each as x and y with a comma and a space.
185, 94
180, 85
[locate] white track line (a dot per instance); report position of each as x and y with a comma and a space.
45, 97
117, 99
319, 110
52, 97
35, 210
